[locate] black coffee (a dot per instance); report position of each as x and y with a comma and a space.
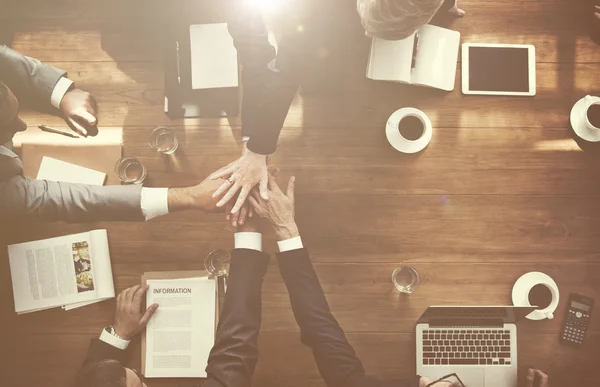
593, 115
540, 295
411, 128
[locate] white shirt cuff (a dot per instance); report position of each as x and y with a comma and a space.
294, 243
245, 138
114, 340
154, 202
248, 240
60, 89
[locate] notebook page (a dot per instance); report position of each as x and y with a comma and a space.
213, 56
437, 58
390, 60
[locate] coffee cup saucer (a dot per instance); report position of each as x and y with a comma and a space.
578, 122
520, 291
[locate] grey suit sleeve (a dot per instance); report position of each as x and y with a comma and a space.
28, 78
52, 201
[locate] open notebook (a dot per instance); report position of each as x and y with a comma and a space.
427, 58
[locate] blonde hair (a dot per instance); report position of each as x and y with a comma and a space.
395, 19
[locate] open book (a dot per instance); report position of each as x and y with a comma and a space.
181, 333
427, 58
68, 271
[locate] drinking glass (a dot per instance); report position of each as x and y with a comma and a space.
162, 139
406, 279
130, 171
217, 263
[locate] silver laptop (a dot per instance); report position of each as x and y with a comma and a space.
478, 343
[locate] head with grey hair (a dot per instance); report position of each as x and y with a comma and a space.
395, 19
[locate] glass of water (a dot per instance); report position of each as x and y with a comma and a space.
217, 263
406, 279
130, 171
162, 139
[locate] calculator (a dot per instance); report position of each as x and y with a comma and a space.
577, 319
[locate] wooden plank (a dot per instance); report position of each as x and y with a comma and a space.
133, 94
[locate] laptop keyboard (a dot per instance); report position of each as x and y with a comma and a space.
466, 347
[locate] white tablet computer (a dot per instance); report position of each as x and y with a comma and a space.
498, 69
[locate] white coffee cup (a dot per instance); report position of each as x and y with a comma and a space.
548, 311
588, 102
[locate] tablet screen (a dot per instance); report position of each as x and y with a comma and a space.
503, 69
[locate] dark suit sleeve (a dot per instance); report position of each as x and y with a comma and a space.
269, 81
233, 358
28, 78
337, 362
99, 350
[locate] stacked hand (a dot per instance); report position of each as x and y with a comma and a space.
129, 318
241, 177
80, 111
279, 210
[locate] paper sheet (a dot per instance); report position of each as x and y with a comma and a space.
181, 333
58, 170
214, 58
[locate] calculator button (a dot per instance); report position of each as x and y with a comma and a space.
578, 314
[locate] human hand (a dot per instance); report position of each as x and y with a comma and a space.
129, 318
532, 375
279, 210
456, 11
239, 218
597, 11
197, 197
242, 175
79, 109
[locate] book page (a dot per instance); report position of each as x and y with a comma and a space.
52, 272
390, 60
58, 170
105, 287
181, 333
214, 57
437, 57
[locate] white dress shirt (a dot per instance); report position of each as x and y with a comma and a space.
60, 89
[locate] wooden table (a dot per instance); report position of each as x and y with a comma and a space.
501, 190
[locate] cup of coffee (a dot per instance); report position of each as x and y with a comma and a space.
545, 297
592, 113
412, 127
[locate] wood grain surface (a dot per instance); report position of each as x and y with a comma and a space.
502, 189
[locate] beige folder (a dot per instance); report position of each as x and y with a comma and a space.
99, 153
160, 275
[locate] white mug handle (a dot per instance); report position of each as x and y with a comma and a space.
588, 100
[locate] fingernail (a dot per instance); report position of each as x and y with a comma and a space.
227, 217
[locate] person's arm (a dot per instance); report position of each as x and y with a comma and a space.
52, 201
270, 79
337, 362
233, 358
130, 320
43, 85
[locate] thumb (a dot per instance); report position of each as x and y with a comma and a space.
148, 314
88, 117
530, 377
290, 188
263, 187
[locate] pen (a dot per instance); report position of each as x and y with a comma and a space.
178, 63
57, 131
414, 53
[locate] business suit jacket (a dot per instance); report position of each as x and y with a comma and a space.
32, 82
271, 79
337, 362
233, 358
